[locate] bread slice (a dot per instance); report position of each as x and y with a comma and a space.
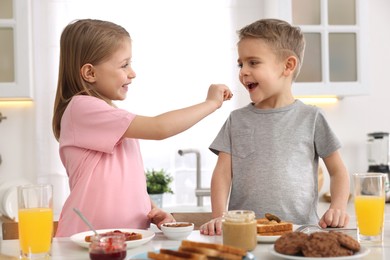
277, 233
267, 227
220, 247
210, 253
173, 254
199, 251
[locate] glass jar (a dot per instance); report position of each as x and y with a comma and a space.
239, 228
110, 247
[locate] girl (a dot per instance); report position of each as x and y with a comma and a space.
99, 142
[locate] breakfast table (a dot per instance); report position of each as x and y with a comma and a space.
65, 248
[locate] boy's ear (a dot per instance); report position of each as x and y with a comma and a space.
87, 71
290, 65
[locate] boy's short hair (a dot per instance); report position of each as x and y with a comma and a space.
281, 36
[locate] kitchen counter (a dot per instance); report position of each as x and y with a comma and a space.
64, 248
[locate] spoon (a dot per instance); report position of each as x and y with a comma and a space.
312, 228
85, 220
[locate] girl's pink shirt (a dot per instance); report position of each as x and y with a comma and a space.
106, 172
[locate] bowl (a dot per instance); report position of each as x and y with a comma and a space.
177, 230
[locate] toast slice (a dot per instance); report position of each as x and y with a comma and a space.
199, 251
210, 253
173, 254
277, 233
219, 247
267, 227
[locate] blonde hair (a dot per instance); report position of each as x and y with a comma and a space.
284, 39
82, 41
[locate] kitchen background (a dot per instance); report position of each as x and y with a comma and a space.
180, 47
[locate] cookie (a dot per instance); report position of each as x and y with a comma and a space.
347, 241
324, 244
290, 243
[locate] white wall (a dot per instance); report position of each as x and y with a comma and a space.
176, 56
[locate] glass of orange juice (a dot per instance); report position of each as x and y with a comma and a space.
370, 196
35, 213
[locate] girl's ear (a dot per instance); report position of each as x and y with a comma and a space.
290, 66
87, 71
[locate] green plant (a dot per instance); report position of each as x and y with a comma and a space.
158, 181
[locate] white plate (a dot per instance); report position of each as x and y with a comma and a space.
267, 239
271, 239
147, 235
363, 252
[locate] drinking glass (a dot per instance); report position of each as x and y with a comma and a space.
370, 196
35, 212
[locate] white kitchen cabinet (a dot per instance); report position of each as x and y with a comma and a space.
15, 50
335, 62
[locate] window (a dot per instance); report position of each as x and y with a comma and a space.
15, 51
335, 33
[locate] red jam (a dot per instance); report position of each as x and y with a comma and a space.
112, 247
108, 256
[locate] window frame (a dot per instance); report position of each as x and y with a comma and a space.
21, 88
334, 88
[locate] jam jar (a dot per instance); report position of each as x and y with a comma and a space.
239, 229
110, 247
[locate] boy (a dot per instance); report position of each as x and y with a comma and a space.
268, 151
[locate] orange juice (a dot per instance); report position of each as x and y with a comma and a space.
370, 213
35, 230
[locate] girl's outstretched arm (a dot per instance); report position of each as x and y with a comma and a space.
171, 123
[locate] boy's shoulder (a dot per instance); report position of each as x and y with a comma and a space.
297, 106
307, 107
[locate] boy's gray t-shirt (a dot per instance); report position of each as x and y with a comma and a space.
275, 159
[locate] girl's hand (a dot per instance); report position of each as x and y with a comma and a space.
218, 93
213, 227
158, 217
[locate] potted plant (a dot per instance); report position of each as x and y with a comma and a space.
157, 183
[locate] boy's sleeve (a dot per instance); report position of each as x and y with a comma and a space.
222, 142
325, 140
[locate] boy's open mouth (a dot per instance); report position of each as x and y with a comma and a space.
251, 85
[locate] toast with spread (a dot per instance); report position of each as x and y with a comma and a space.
272, 225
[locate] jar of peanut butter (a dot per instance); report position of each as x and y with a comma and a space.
239, 229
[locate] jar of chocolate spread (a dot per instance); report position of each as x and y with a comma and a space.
239, 229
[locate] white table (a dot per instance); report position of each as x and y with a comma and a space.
64, 248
